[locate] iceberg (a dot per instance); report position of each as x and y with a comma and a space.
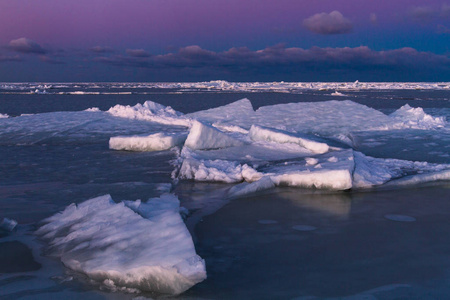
132, 244
153, 142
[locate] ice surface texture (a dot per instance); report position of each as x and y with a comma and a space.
130, 244
154, 142
150, 111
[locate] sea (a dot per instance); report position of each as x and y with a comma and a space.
390, 241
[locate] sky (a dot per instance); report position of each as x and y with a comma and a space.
234, 40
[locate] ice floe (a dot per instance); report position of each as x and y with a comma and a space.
307, 145
131, 244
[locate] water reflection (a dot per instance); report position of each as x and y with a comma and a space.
335, 204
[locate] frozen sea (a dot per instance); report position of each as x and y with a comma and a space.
247, 190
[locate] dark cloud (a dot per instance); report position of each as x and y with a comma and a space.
9, 58
137, 53
101, 49
445, 10
280, 61
332, 23
50, 60
24, 45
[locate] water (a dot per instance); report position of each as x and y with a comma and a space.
255, 246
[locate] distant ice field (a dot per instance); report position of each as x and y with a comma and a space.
114, 179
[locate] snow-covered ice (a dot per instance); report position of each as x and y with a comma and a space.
153, 142
150, 111
132, 244
258, 133
202, 136
416, 118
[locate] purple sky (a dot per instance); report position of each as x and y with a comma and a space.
184, 40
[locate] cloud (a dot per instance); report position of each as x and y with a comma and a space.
137, 53
373, 18
101, 49
422, 13
332, 23
9, 58
24, 45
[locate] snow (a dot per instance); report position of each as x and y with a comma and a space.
416, 118
153, 142
150, 111
336, 93
202, 136
216, 171
131, 244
